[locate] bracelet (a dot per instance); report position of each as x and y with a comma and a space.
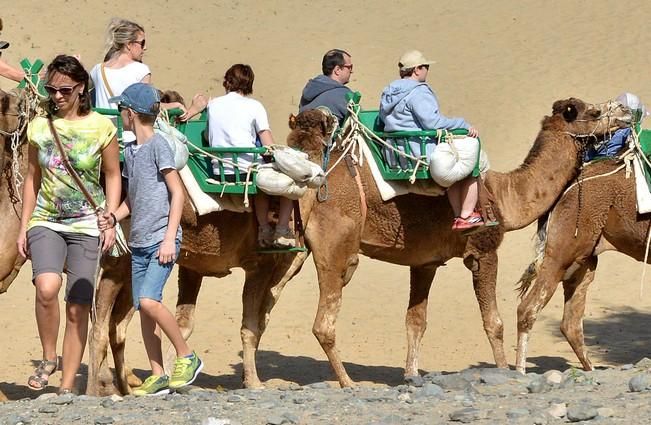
115, 220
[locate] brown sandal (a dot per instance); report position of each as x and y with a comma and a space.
42, 374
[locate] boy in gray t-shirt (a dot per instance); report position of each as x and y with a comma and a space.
155, 202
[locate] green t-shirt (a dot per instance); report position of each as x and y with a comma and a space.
60, 205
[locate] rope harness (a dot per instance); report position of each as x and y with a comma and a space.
28, 107
627, 157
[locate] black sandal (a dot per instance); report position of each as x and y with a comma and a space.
42, 374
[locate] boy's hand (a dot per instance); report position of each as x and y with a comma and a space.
166, 252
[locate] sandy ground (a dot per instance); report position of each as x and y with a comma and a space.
501, 65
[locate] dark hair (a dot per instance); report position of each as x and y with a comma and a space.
239, 78
407, 72
332, 59
70, 67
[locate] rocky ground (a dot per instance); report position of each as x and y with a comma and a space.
482, 396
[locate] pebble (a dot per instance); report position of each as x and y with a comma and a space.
466, 415
431, 390
483, 396
517, 413
538, 385
644, 363
605, 412
557, 410
639, 383
414, 381
553, 377
581, 412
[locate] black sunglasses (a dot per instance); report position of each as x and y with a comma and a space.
424, 66
141, 42
65, 90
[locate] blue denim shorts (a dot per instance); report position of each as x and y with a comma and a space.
148, 276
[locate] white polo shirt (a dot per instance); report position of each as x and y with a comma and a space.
235, 121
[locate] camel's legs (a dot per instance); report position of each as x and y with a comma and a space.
484, 280
416, 319
186, 304
120, 318
536, 299
576, 289
100, 379
334, 272
262, 289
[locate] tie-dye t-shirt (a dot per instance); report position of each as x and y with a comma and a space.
60, 205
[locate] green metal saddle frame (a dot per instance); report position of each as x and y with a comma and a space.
412, 143
200, 164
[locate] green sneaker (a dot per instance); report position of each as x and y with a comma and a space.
154, 385
186, 370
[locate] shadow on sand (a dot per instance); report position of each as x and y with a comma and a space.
620, 338
271, 365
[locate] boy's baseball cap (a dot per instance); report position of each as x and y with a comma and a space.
412, 59
142, 98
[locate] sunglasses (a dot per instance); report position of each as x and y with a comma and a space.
65, 90
349, 66
424, 66
141, 42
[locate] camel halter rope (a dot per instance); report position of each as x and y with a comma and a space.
27, 109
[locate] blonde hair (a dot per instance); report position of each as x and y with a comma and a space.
119, 33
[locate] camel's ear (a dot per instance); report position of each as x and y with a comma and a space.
324, 125
292, 121
570, 112
0, 24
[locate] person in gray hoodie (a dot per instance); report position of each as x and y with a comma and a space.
410, 104
329, 89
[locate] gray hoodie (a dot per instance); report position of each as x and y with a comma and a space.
407, 104
324, 91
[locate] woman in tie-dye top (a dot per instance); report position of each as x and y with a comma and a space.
58, 225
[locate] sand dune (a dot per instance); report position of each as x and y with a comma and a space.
501, 65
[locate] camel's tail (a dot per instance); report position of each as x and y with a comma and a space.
531, 272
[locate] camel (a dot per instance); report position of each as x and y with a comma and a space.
595, 215
398, 232
415, 230
212, 245
11, 122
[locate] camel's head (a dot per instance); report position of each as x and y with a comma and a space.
586, 120
311, 131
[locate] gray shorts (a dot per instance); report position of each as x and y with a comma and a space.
74, 253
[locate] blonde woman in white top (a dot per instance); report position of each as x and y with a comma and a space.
126, 45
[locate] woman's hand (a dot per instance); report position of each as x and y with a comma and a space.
22, 244
109, 239
166, 252
105, 221
472, 132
